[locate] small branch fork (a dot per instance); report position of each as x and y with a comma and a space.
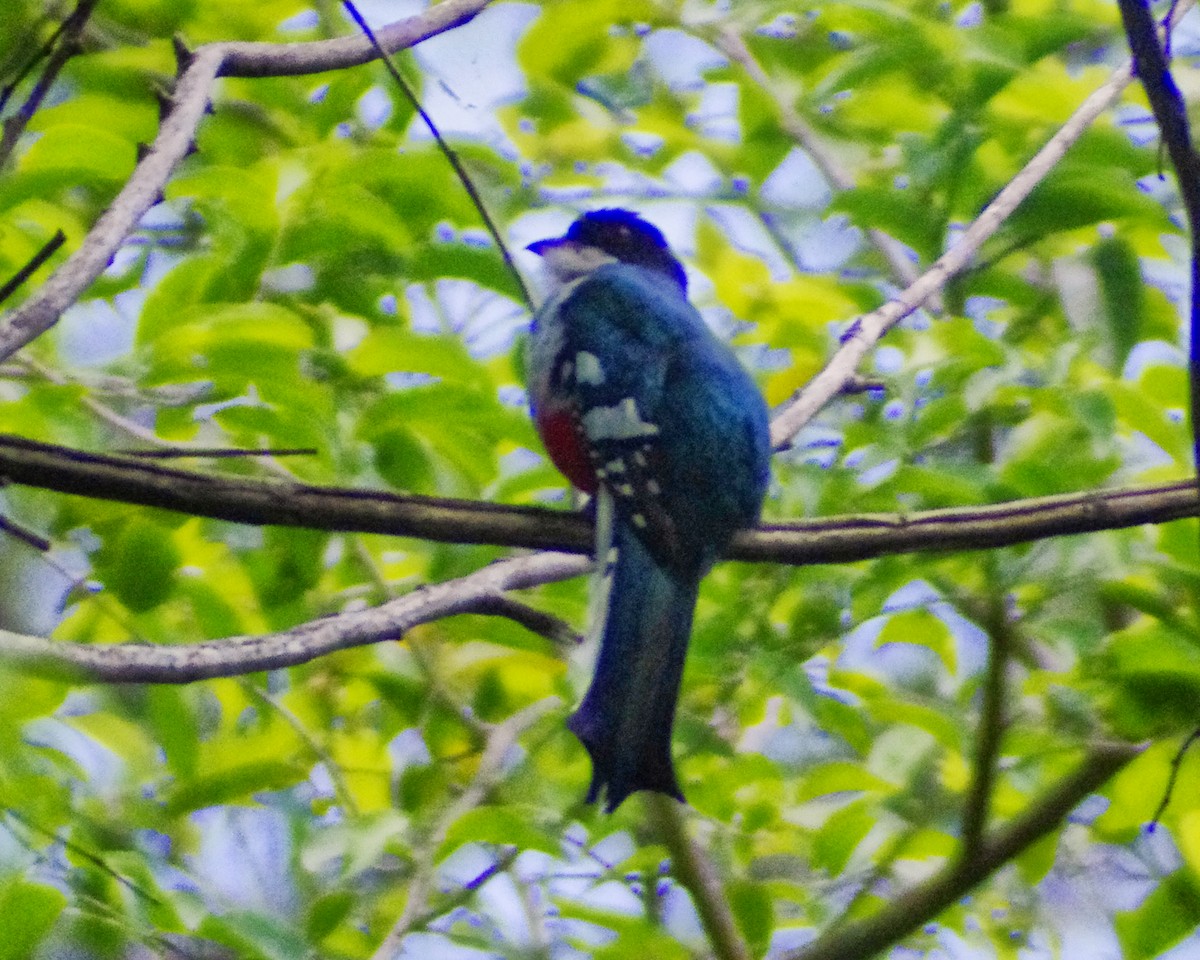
905, 914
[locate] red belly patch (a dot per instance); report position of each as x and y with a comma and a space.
561, 434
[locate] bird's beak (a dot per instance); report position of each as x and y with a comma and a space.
542, 247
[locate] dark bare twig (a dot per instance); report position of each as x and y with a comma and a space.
84, 854
39, 543
553, 628
991, 725
217, 453
1176, 763
17, 279
64, 45
450, 154
1170, 112
43, 51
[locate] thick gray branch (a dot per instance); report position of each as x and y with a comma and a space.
234, 656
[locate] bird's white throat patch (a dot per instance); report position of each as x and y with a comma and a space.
569, 261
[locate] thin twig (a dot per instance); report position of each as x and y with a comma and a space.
341, 789
83, 854
555, 629
65, 45
1176, 763
18, 532
45, 253
729, 41
42, 52
165, 449
990, 728
219, 453
447, 151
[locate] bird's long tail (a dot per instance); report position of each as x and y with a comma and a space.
625, 719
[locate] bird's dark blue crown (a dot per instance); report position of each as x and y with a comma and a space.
629, 238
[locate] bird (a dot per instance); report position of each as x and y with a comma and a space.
639, 404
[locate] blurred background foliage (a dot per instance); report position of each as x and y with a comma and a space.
315, 276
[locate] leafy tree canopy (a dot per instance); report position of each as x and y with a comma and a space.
310, 702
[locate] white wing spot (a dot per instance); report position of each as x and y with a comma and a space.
640, 459
624, 489
620, 422
653, 488
639, 520
588, 369
616, 465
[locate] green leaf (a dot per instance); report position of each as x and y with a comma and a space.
255, 936
235, 784
175, 728
1165, 917
499, 825
393, 350
138, 564
837, 840
1122, 294
839, 777
754, 911
1076, 196
27, 913
922, 628
327, 913
74, 150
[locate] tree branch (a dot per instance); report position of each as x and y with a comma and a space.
829, 540
861, 939
865, 332
1170, 112
990, 728
188, 104
698, 876
234, 656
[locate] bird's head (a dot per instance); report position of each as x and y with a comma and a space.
609, 236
